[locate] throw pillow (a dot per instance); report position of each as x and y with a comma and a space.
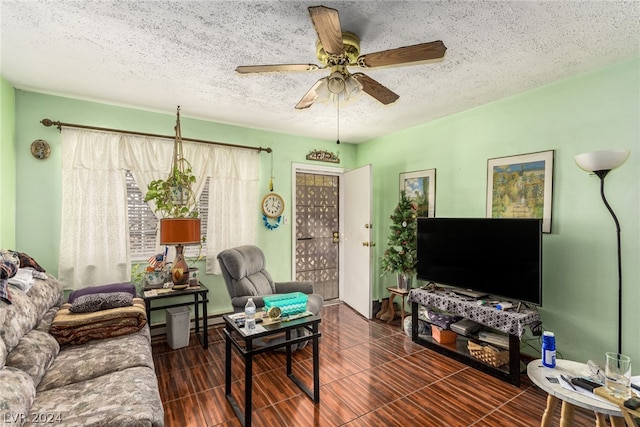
98, 302
113, 287
10, 256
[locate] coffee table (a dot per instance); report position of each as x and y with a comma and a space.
538, 373
244, 345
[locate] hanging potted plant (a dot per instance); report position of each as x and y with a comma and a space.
175, 201
401, 255
173, 196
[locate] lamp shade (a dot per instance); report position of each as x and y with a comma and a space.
602, 160
180, 231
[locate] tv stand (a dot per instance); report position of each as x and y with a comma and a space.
510, 322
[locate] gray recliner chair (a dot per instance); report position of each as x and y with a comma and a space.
244, 273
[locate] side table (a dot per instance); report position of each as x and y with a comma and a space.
200, 300
244, 345
539, 373
401, 293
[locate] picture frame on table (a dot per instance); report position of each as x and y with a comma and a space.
420, 187
521, 186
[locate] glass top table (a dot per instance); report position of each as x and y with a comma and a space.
236, 337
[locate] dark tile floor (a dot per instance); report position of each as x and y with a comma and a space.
371, 374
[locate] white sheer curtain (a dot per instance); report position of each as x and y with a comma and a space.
233, 207
94, 233
94, 246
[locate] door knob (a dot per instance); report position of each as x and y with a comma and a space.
365, 244
336, 237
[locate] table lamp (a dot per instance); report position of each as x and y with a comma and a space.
180, 232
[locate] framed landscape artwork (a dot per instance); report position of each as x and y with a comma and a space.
420, 186
521, 187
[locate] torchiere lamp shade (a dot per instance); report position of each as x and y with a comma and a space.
602, 160
180, 231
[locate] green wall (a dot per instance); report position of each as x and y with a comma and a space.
7, 165
39, 181
596, 111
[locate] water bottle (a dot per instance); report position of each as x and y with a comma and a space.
549, 349
250, 315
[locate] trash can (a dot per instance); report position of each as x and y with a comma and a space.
178, 322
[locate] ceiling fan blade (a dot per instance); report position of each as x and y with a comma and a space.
327, 24
310, 97
403, 55
376, 90
244, 69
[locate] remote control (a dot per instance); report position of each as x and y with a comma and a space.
585, 384
633, 403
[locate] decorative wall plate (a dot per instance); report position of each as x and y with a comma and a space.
40, 149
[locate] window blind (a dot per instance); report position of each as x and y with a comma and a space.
143, 223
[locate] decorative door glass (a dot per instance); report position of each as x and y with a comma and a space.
317, 232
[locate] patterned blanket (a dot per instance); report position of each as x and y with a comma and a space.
78, 328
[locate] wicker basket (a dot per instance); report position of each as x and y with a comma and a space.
488, 354
443, 336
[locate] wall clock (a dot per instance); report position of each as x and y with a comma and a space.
273, 205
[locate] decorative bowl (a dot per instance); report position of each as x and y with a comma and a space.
154, 278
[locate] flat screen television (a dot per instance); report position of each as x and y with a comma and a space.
499, 257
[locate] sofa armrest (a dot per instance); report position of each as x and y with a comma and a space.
289, 287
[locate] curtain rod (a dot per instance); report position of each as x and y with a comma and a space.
59, 125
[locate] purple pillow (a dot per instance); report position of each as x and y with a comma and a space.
103, 289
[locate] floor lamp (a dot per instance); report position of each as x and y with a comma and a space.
601, 163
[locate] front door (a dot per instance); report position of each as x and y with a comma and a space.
316, 232
355, 288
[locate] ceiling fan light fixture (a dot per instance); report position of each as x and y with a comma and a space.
336, 82
323, 90
352, 87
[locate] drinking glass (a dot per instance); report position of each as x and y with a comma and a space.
618, 375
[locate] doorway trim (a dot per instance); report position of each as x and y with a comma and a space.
324, 170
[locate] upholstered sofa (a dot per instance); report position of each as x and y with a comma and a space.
102, 382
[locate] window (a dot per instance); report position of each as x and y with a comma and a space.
143, 224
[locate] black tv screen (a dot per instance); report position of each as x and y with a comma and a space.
499, 257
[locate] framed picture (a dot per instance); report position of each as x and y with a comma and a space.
420, 186
521, 187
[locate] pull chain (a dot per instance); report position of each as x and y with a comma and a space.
271, 177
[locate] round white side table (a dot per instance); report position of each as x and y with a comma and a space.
538, 374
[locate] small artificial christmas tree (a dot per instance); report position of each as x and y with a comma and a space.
400, 257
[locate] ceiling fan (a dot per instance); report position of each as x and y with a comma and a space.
337, 50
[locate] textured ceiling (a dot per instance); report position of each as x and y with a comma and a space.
155, 55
